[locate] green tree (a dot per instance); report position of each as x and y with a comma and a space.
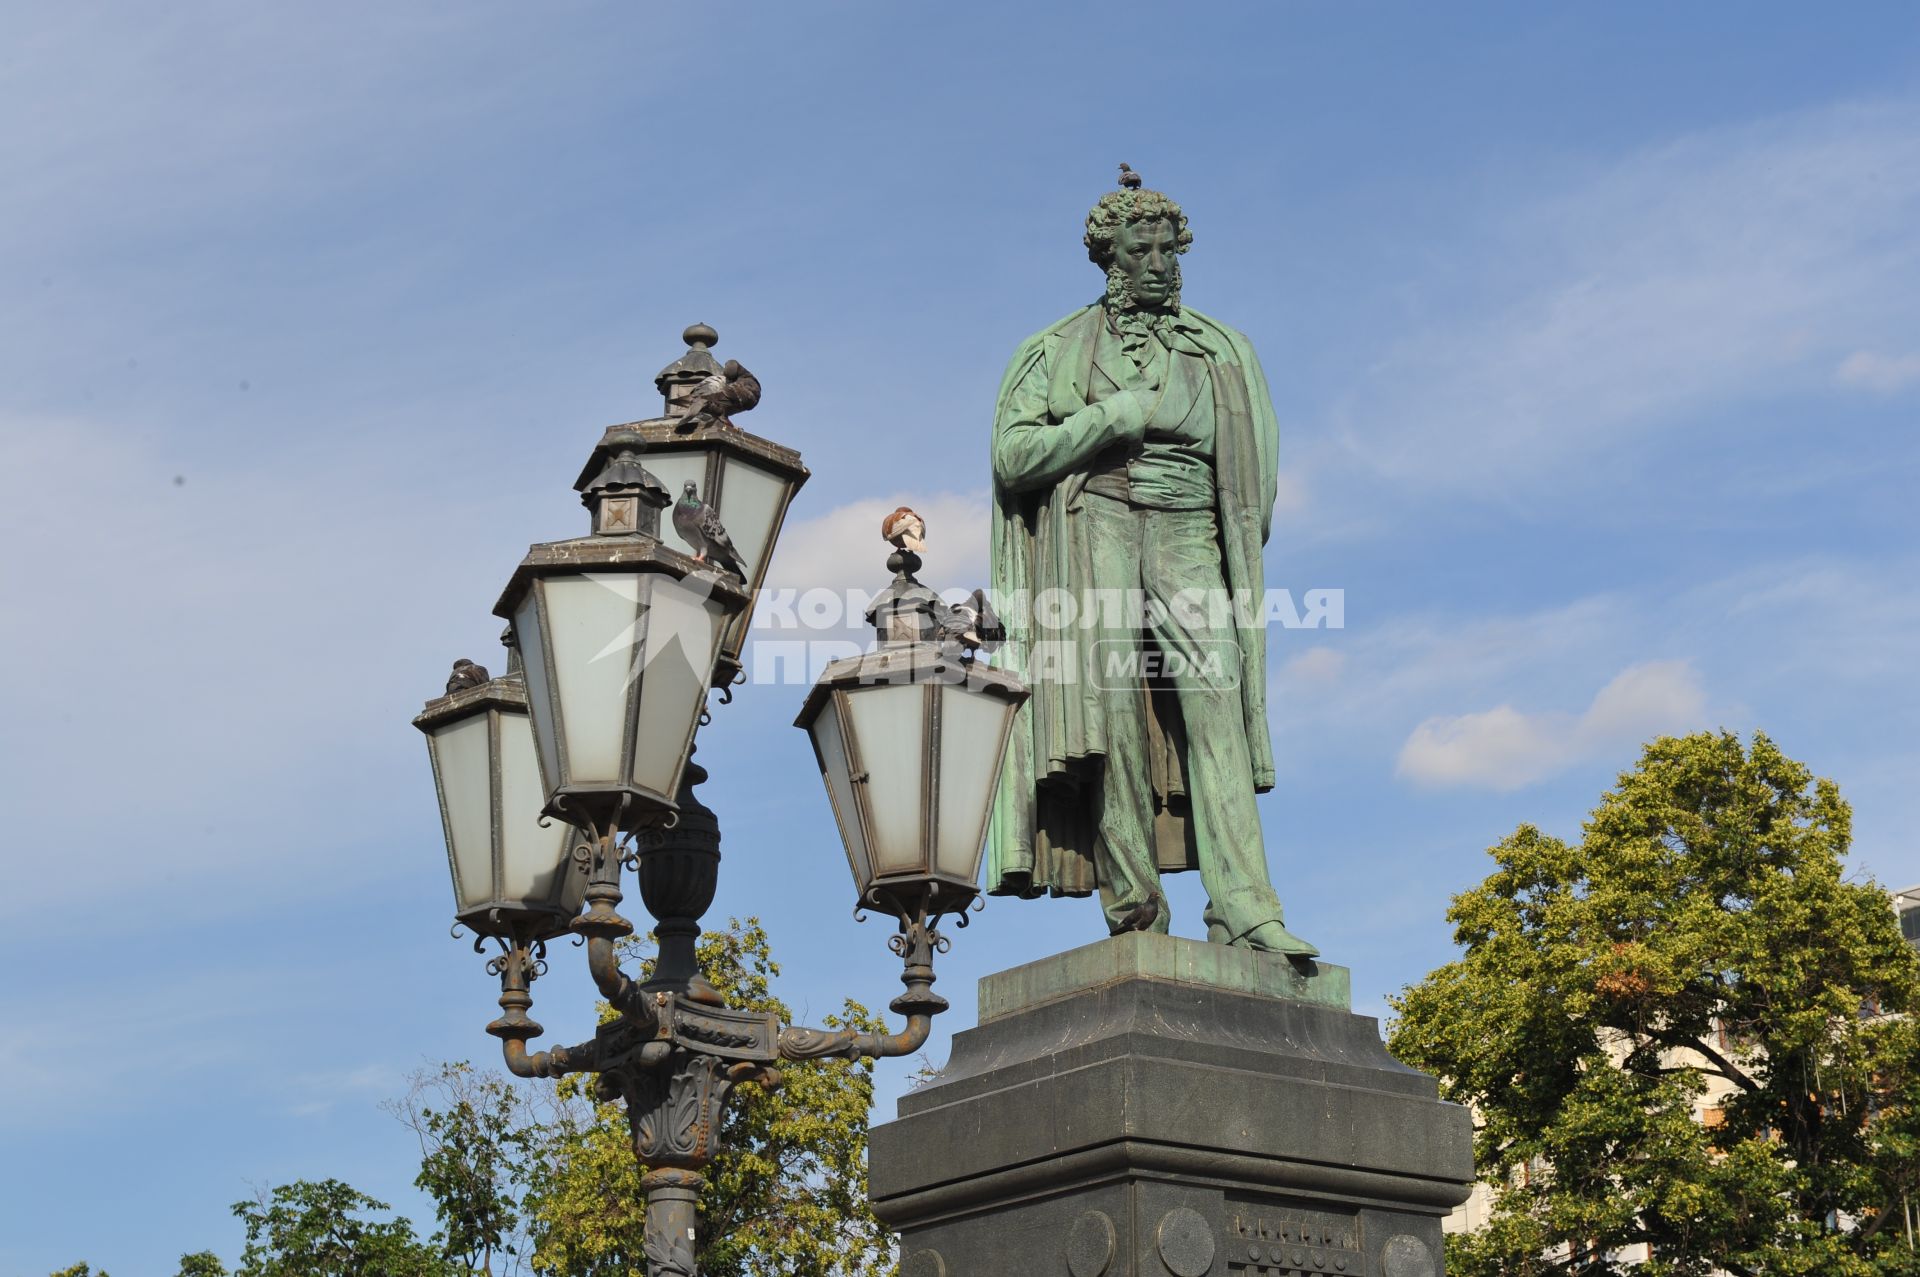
203, 1263
1700, 934
309, 1229
78, 1270
474, 1130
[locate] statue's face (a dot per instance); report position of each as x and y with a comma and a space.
1148, 254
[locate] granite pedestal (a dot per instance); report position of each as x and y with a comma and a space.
1148, 1106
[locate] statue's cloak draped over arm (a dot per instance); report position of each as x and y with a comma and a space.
1045, 820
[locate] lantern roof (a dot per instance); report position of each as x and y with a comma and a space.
908, 663
662, 432
508, 691
615, 554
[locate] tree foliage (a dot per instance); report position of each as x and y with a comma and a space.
475, 1134
1700, 938
202, 1263
319, 1229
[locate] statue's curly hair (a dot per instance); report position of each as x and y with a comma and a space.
1119, 208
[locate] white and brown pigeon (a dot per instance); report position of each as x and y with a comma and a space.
905, 530
699, 525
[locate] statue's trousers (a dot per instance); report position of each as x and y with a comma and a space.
1167, 553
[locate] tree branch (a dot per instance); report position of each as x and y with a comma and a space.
1862, 1235
1723, 1067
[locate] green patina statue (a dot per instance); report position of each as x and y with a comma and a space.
1134, 469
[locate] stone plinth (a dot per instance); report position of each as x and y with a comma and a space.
1148, 1106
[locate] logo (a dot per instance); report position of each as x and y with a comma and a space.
1119, 664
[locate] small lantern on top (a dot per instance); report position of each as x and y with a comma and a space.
709, 466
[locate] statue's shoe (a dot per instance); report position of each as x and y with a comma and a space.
1271, 937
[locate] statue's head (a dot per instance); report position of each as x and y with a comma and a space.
1137, 236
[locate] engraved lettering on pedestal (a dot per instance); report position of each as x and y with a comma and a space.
1408, 1256
1264, 1243
1091, 1245
1186, 1242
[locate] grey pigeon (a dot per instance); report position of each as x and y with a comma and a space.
699, 524
1128, 178
717, 397
465, 674
973, 624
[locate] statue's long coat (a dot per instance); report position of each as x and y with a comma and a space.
1045, 821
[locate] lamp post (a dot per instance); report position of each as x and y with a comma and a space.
575, 766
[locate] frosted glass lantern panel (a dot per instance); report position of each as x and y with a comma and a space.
749, 503
831, 744
532, 856
682, 635
889, 728
462, 764
593, 625
673, 469
972, 727
533, 658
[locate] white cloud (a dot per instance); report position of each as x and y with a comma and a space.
1316, 665
1871, 370
1503, 748
1726, 265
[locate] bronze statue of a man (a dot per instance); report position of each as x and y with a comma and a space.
1134, 461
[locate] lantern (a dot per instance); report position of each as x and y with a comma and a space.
512, 868
909, 739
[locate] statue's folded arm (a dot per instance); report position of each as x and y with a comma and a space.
1032, 452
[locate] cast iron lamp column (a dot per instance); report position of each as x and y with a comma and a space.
616, 638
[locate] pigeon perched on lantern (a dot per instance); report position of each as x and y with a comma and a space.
465, 674
699, 525
720, 395
972, 624
904, 530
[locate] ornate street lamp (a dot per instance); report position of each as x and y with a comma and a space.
620, 634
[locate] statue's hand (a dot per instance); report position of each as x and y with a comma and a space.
1126, 412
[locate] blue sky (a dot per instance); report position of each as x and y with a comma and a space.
1593, 334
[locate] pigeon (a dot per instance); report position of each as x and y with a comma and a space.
973, 624
718, 396
1142, 916
699, 524
465, 674
906, 530
1129, 178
